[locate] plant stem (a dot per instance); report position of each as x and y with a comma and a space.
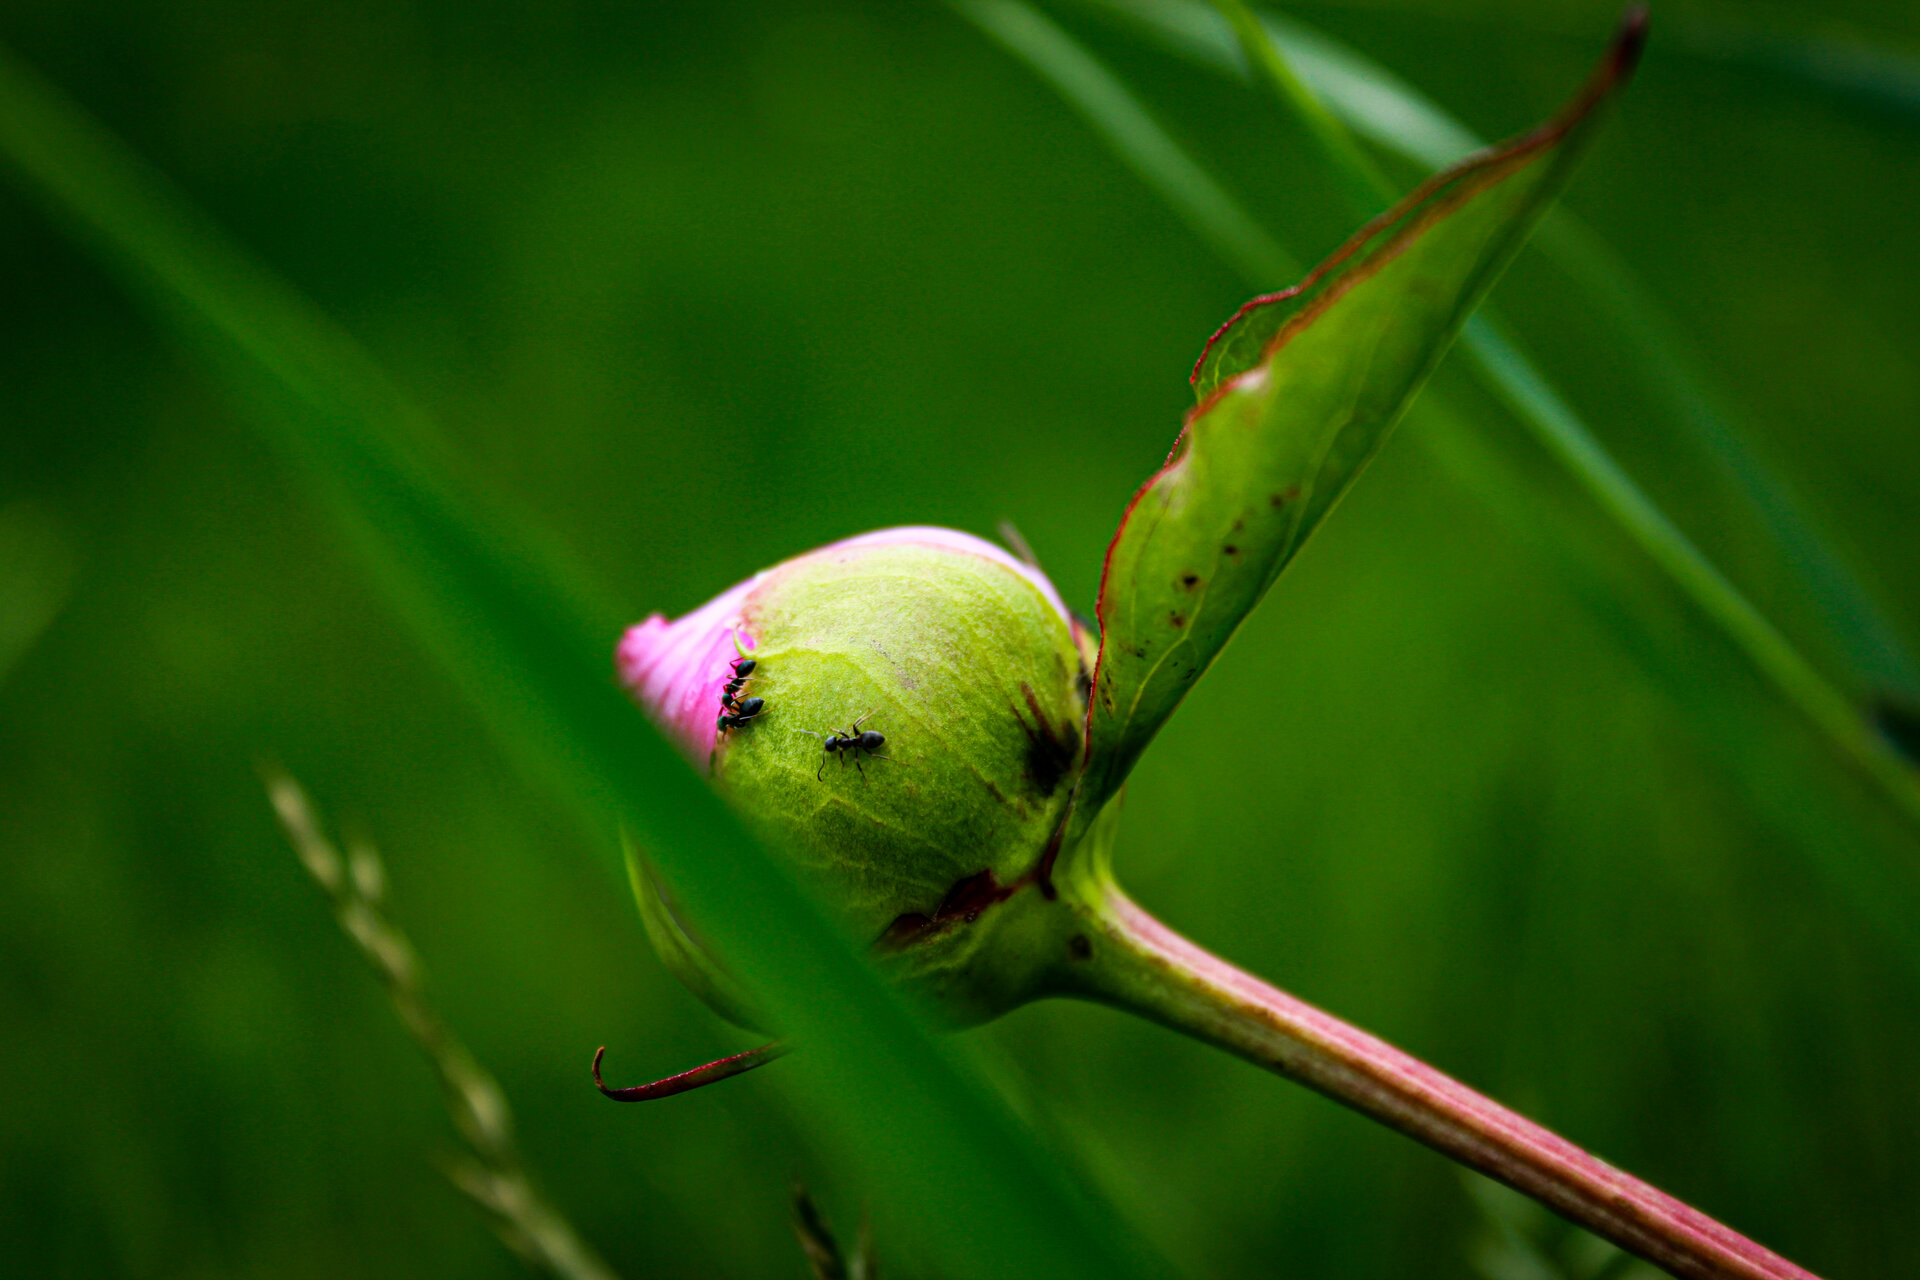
1138, 964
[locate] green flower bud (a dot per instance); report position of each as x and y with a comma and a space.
912, 750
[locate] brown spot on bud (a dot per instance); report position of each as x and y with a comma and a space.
1080, 947
1177, 620
1189, 580
903, 931
966, 900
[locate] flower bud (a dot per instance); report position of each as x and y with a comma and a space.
912, 750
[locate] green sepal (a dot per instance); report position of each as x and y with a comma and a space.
1297, 393
683, 954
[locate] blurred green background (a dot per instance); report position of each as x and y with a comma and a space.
697, 287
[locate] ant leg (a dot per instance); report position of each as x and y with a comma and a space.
862, 768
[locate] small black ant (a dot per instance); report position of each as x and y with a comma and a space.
853, 740
734, 713
733, 687
737, 714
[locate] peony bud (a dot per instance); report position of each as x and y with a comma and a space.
969, 669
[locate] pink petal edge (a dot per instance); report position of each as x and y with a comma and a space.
676, 670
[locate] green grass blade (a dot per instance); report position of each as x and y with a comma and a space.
1866, 70
1113, 111
948, 1153
1776, 659
1714, 697
1840, 57
1825, 707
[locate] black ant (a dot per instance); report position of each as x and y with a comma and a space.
742, 672
733, 711
853, 740
736, 714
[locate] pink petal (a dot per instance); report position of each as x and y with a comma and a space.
676, 670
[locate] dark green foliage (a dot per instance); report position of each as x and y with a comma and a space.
697, 287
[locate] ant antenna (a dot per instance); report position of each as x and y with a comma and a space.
711, 1073
823, 751
1010, 535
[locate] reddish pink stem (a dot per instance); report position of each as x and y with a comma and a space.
1139, 964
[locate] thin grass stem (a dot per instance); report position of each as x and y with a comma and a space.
494, 1177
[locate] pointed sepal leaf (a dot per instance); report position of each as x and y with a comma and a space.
681, 950
1296, 393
